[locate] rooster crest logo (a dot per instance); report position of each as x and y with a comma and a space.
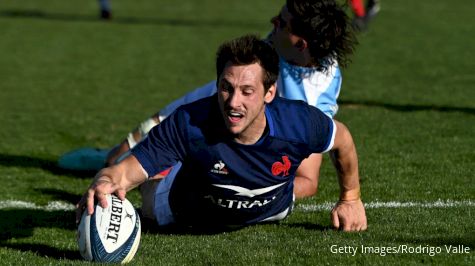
219, 168
281, 168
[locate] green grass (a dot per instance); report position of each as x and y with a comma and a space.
68, 80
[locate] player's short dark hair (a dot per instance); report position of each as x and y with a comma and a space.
246, 50
326, 27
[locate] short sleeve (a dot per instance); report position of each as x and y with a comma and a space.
322, 131
164, 146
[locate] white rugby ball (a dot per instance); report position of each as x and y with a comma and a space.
110, 234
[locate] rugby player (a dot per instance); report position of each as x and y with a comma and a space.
237, 151
312, 38
362, 14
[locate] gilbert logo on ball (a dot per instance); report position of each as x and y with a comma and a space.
110, 234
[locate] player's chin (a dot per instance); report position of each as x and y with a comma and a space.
234, 128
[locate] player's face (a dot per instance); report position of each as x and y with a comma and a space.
242, 101
281, 37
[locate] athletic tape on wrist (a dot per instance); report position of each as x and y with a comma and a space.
351, 195
142, 130
131, 140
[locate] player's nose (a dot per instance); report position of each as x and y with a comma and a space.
234, 100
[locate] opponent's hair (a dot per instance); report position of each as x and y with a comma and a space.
246, 50
326, 27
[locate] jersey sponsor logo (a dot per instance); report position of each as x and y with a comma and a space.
281, 167
219, 168
241, 191
239, 204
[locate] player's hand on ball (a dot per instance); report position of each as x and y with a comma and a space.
349, 216
99, 189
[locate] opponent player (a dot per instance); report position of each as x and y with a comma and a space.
311, 37
105, 9
238, 149
361, 14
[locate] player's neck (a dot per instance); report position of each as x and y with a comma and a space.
303, 60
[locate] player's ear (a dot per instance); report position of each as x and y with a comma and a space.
270, 94
301, 44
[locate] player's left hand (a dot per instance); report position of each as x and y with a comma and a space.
349, 216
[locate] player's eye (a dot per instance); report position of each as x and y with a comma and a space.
224, 86
248, 91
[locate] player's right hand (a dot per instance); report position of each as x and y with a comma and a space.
102, 185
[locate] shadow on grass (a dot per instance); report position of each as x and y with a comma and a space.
408, 107
21, 223
22, 161
149, 227
60, 195
38, 14
309, 226
45, 251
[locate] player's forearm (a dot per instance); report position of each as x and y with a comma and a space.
348, 177
345, 160
127, 175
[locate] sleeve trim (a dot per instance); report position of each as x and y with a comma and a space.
332, 139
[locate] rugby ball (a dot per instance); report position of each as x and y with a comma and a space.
110, 234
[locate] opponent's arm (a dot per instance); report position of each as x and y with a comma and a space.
134, 137
349, 213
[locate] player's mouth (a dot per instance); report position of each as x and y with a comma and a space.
234, 117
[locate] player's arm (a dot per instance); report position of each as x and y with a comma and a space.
306, 176
116, 179
349, 213
135, 136
141, 131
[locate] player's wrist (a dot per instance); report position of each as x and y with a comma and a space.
350, 195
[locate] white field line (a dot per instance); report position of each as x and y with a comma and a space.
51, 206
64, 206
392, 204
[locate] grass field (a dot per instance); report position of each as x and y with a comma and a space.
68, 80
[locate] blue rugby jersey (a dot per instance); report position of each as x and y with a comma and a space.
226, 183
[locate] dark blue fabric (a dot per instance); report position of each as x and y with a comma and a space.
225, 182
